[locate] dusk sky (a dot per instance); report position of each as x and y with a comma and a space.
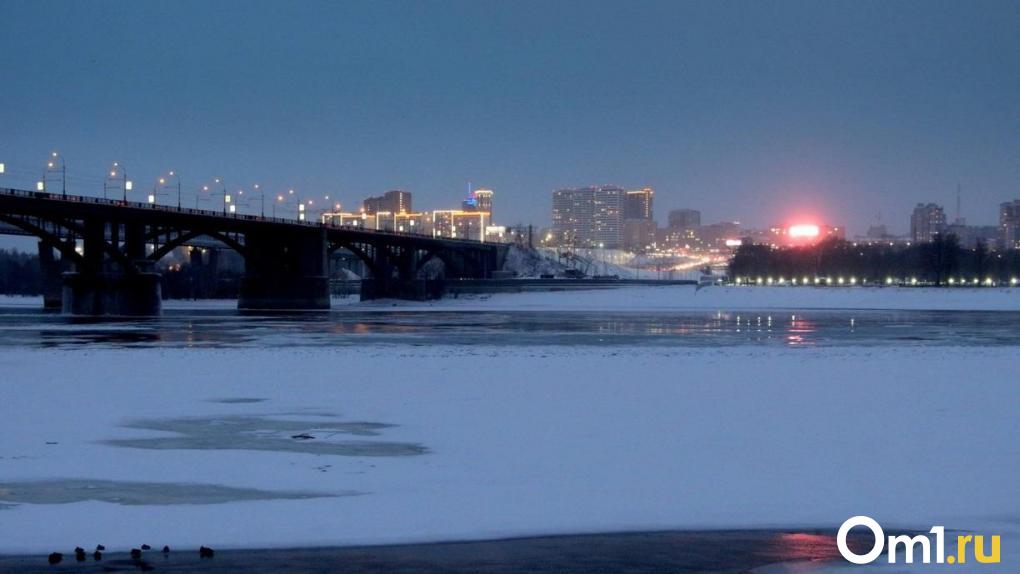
762, 112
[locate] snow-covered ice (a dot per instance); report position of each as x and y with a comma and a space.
442, 442
518, 441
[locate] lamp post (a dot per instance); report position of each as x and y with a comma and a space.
119, 174
279, 199
262, 200
163, 181
238, 201
155, 191
51, 165
160, 185
300, 206
226, 196
198, 194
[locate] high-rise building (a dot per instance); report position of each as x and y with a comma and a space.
459, 224
927, 221
1009, 224
638, 204
410, 223
393, 201
684, 218
969, 236
588, 216
479, 200
483, 201
638, 234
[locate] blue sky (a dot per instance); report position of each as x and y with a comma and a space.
761, 112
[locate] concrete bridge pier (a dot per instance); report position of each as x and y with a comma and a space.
285, 271
101, 286
132, 293
50, 271
395, 278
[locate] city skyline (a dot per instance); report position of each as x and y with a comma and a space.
749, 112
54, 173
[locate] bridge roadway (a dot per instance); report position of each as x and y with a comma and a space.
112, 248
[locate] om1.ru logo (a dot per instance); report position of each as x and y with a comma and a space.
911, 543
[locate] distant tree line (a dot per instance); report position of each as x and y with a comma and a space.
19, 273
188, 281
939, 262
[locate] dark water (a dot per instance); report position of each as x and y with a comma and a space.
20, 327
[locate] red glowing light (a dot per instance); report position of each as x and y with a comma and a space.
803, 230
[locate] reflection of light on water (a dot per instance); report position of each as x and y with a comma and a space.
799, 330
802, 546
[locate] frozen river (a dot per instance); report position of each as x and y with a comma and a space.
524, 415
220, 328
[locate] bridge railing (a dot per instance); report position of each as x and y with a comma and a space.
44, 195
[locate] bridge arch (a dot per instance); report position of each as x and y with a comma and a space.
441, 254
66, 248
358, 251
183, 238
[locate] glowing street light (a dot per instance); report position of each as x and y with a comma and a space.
279, 199
226, 196
165, 180
117, 173
198, 194
160, 185
262, 199
55, 162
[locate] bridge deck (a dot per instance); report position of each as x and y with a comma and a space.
27, 202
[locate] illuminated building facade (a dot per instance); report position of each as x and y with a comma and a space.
1009, 224
479, 200
346, 219
638, 204
410, 223
639, 234
393, 201
589, 216
459, 224
927, 221
684, 219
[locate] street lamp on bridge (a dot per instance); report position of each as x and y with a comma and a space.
262, 199
54, 163
160, 185
117, 173
226, 196
163, 182
279, 199
198, 194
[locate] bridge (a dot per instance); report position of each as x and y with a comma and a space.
110, 248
